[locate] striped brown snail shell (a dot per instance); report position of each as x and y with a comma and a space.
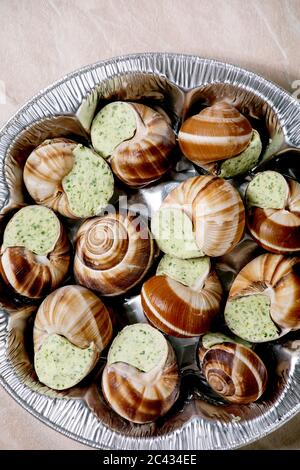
35, 275
113, 253
217, 133
215, 210
47, 177
142, 396
264, 300
144, 155
234, 372
277, 229
79, 317
182, 310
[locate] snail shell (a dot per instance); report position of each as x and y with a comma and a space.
52, 178
278, 230
217, 133
138, 396
146, 155
75, 313
113, 253
71, 328
215, 209
180, 310
34, 276
235, 372
277, 278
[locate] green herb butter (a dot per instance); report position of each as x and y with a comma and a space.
173, 232
139, 345
35, 228
243, 162
114, 124
60, 365
190, 272
90, 184
249, 318
212, 339
268, 190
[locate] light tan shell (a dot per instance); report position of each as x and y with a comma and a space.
216, 210
278, 277
113, 253
179, 310
218, 132
75, 313
278, 230
32, 275
235, 372
44, 171
145, 157
141, 397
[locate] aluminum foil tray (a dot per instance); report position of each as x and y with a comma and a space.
180, 84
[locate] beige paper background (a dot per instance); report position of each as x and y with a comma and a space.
43, 40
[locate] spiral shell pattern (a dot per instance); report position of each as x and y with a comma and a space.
44, 171
216, 210
141, 397
35, 276
218, 132
113, 253
278, 230
235, 372
146, 157
278, 277
75, 313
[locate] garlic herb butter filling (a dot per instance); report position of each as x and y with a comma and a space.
189, 272
90, 184
114, 124
60, 365
243, 162
268, 190
139, 345
35, 228
173, 231
249, 318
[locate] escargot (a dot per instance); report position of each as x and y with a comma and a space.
69, 178
264, 300
273, 209
35, 254
231, 369
203, 215
137, 141
221, 139
71, 329
141, 379
113, 253
183, 297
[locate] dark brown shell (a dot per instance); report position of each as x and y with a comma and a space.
113, 253
145, 157
34, 276
178, 310
234, 372
141, 397
278, 230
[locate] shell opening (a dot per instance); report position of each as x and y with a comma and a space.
114, 124
267, 190
139, 345
189, 272
249, 318
36, 228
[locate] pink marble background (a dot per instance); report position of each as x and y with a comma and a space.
42, 40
